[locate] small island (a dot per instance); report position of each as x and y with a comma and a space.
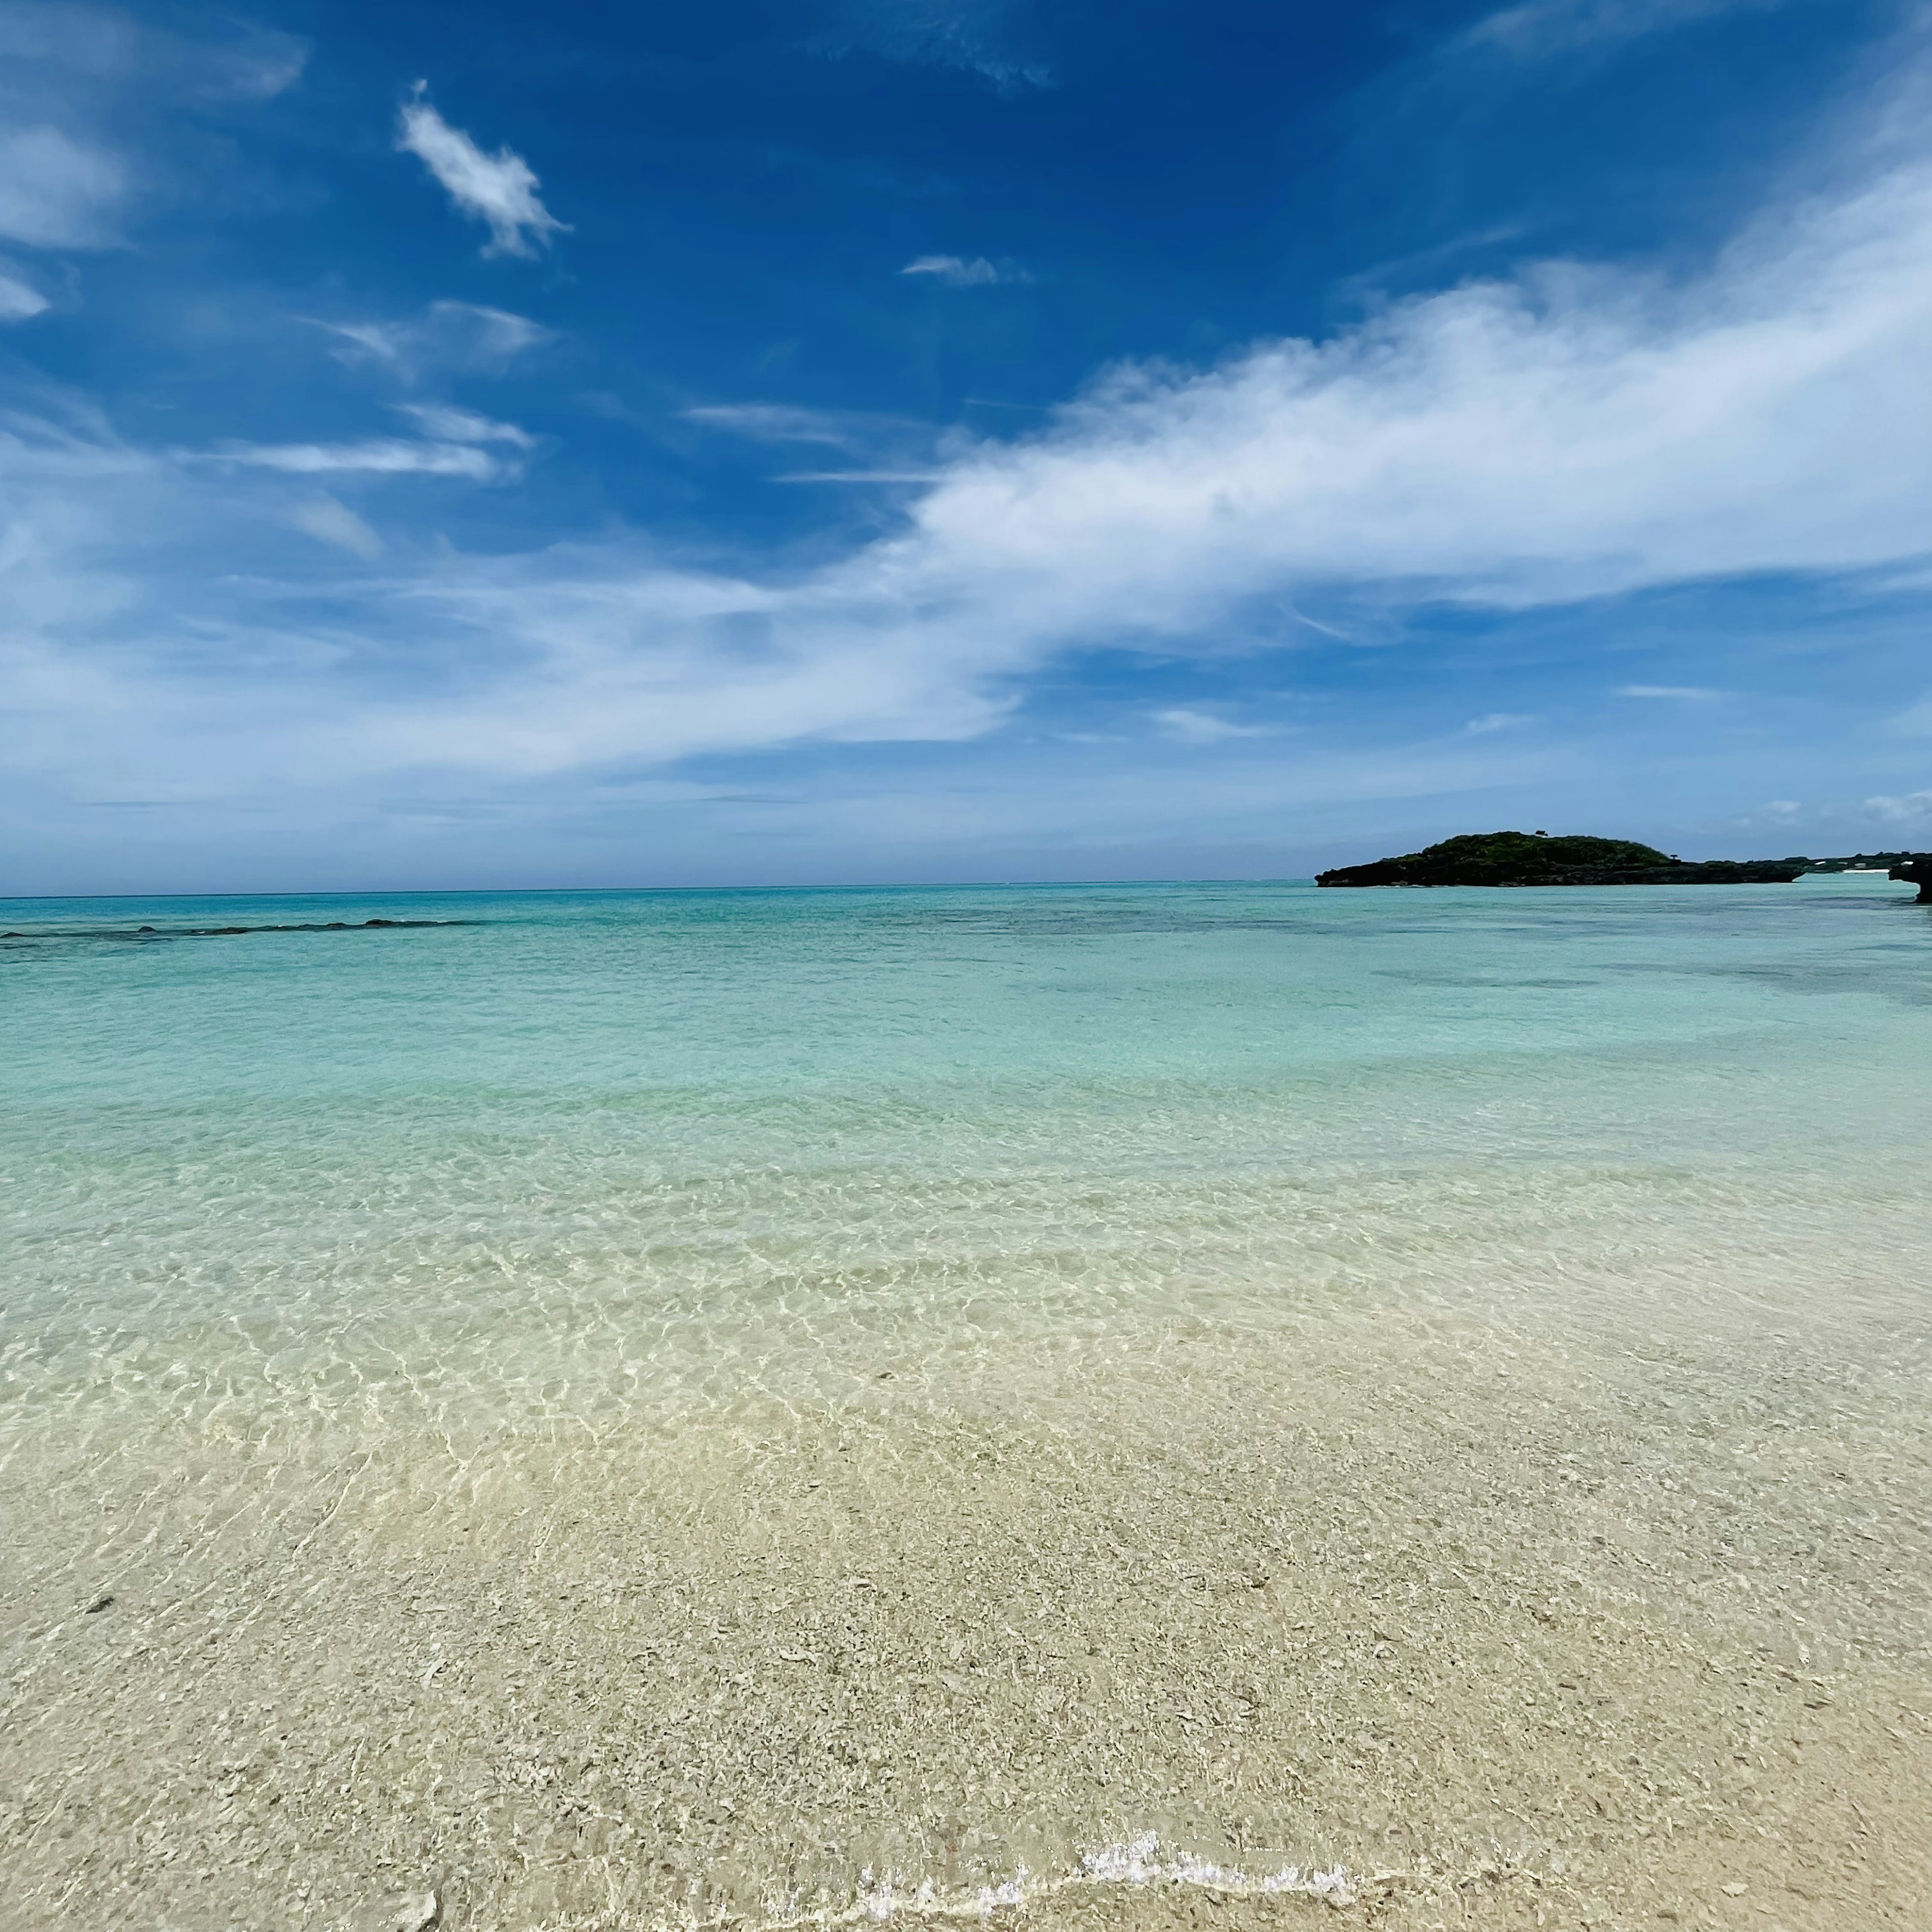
1536, 858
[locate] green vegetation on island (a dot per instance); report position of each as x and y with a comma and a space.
1535, 858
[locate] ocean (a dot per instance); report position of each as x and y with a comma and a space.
669, 1408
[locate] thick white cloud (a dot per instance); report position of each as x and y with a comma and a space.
1575, 433
500, 189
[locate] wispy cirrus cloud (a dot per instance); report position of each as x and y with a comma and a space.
1002, 40
80, 84
331, 521
379, 457
19, 301
1905, 809
853, 430
59, 190
1682, 694
885, 449
446, 424
499, 189
1192, 726
1539, 28
465, 337
960, 271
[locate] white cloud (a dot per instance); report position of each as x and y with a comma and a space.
330, 522
58, 191
853, 430
958, 271
376, 458
1688, 693
257, 64
1569, 435
988, 38
447, 335
498, 188
454, 425
1545, 27
773, 422
1202, 727
66, 34
1498, 720
1905, 810
89, 96
1576, 434
18, 301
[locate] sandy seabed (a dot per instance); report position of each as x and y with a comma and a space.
1421, 1616
1402, 1617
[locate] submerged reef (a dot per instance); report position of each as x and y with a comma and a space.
147, 932
1535, 858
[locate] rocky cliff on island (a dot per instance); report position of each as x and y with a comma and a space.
1915, 869
1535, 858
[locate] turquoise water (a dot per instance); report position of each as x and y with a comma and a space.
656, 1409
573, 1150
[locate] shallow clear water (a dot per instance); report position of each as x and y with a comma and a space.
577, 1151
655, 1406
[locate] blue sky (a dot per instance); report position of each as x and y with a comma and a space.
956, 439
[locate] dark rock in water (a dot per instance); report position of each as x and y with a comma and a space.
122, 934
1916, 870
1534, 859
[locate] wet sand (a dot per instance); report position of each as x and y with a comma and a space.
1467, 1621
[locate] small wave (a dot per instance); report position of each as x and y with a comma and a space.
1137, 1861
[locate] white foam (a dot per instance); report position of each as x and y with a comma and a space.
1136, 1860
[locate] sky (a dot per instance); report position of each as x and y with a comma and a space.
954, 439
